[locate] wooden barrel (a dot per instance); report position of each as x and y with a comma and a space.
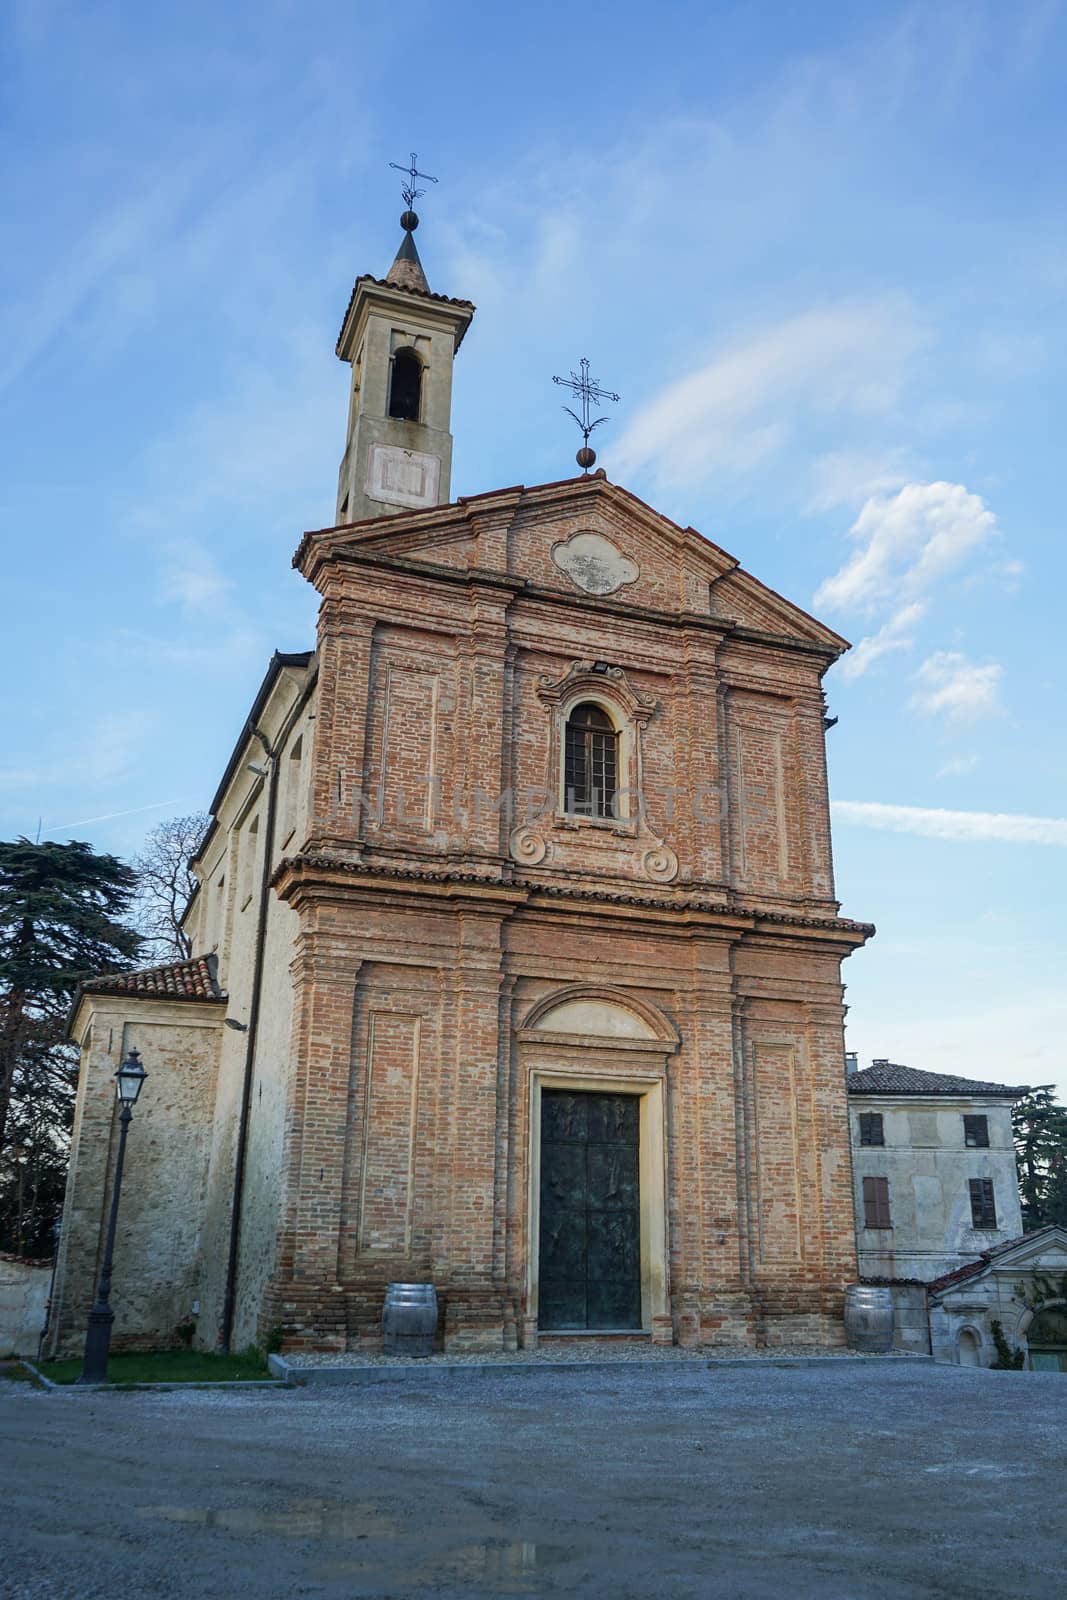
409, 1319
869, 1318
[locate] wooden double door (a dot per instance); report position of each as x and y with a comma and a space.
590, 1221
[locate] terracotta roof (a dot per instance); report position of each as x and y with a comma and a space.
974, 1268
890, 1077
384, 283
406, 271
195, 979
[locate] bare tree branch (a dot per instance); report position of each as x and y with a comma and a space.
165, 885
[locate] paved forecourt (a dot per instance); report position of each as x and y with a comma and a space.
850, 1483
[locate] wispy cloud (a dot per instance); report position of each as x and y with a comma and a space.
746, 404
952, 686
109, 816
957, 767
965, 826
191, 577
896, 634
907, 542
848, 477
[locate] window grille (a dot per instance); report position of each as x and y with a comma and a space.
871, 1130
590, 766
876, 1203
976, 1133
983, 1203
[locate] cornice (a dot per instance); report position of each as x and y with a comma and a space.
313, 870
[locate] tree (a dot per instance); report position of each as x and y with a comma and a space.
60, 911
1039, 1124
165, 883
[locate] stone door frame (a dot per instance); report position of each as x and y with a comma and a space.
649, 1088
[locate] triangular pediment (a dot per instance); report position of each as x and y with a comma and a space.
583, 537
1043, 1251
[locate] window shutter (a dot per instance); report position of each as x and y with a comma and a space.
871, 1129
976, 1133
983, 1203
876, 1203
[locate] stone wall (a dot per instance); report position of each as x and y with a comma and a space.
156, 1283
928, 1166
23, 1304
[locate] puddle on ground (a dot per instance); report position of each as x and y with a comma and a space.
300, 1519
506, 1566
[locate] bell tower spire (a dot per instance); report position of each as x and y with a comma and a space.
400, 339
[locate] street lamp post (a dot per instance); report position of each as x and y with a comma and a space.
128, 1080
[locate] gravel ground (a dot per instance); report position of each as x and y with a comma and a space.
578, 1350
842, 1482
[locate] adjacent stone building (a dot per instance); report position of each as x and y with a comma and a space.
516, 949
933, 1165
938, 1216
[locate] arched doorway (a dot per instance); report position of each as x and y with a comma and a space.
595, 1060
1047, 1339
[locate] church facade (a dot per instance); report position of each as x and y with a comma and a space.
516, 954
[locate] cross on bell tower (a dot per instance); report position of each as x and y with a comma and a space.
400, 339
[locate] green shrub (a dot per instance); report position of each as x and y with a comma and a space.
1008, 1360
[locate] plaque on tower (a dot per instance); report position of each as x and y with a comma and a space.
402, 477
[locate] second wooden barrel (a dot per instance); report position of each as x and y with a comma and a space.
409, 1319
869, 1318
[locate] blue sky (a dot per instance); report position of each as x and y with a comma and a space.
820, 251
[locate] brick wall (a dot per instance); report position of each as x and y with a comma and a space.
431, 916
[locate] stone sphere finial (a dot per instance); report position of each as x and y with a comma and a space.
585, 457
409, 221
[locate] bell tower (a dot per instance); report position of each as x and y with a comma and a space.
400, 339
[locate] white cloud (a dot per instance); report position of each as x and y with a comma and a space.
894, 635
952, 686
907, 542
746, 404
967, 826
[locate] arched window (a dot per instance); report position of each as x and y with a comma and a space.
405, 388
591, 762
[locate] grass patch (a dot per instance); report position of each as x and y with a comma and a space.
15, 1374
169, 1366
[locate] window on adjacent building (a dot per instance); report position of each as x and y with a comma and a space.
983, 1203
871, 1130
591, 761
876, 1203
976, 1133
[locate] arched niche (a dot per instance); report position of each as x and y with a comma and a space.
969, 1346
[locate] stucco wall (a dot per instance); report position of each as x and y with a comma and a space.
232, 876
23, 1300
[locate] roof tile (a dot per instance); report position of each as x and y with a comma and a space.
195, 979
890, 1077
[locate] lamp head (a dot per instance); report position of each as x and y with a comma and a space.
129, 1078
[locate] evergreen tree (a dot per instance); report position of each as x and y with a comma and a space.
1040, 1127
60, 911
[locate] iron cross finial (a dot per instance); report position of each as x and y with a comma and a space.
589, 391
409, 191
